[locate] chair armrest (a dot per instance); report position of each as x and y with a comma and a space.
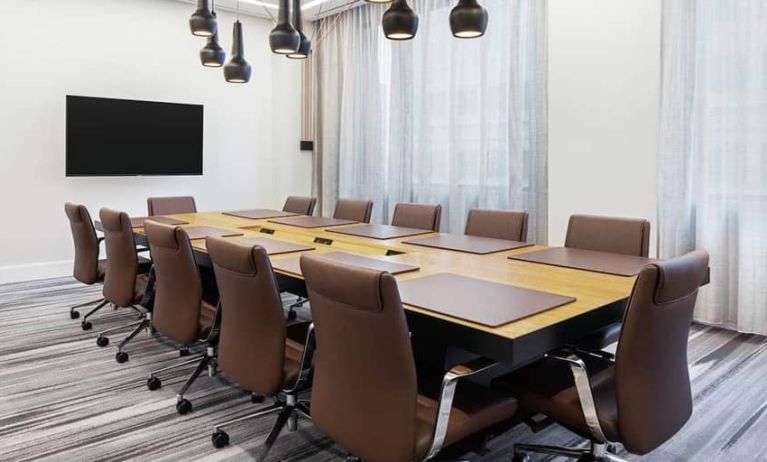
583, 387
306, 360
212, 338
596, 354
449, 382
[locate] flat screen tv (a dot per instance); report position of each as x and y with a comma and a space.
111, 137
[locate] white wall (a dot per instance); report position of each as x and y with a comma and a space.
139, 49
604, 93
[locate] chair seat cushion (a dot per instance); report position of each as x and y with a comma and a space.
547, 387
475, 407
101, 270
294, 352
207, 316
142, 280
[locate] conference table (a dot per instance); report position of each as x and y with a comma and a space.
599, 298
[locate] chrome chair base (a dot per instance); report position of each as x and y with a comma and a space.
144, 322
290, 409
597, 452
74, 314
86, 325
204, 361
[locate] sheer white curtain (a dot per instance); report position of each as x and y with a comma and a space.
713, 156
435, 119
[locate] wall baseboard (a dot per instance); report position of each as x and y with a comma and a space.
32, 271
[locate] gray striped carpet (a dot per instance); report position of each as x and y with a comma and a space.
64, 398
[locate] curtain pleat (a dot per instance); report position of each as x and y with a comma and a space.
435, 119
713, 152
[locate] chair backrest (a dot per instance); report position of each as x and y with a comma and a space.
86, 243
651, 376
178, 286
629, 236
421, 216
170, 205
300, 205
251, 348
122, 261
498, 224
353, 209
364, 390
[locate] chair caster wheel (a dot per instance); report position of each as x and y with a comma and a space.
184, 352
519, 457
86, 325
219, 438
74, 314
256, 399
292, 315
184, 406
102, 341
121, 357
153, 383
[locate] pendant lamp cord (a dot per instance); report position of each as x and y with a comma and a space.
238, 10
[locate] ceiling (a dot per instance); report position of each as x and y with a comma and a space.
311, 9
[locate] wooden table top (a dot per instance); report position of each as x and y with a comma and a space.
591, 290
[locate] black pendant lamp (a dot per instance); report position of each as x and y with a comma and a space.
237, 70
284, 39
468, 19
203, 21
305, 47
400, 22
212, 55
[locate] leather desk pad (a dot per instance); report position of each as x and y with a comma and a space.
292, 265
482, 302
201, 232
312, 222
589, 260
138, 222
380, 231
465, 243
259, 214
275, 247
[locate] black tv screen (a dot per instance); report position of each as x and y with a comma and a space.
107, 137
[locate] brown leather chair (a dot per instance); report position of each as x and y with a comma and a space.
628, 236
253, 348
642, 398
179, 311
300, 205
126, 281
420, 216
170, 205
364, 392
88, 269
497, 224
353, 209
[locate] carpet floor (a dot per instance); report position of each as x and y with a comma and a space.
63, 398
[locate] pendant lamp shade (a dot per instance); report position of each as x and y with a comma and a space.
212, 55
284, 39
203, 22
468, 19
305, 45
237, 70
400, 22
